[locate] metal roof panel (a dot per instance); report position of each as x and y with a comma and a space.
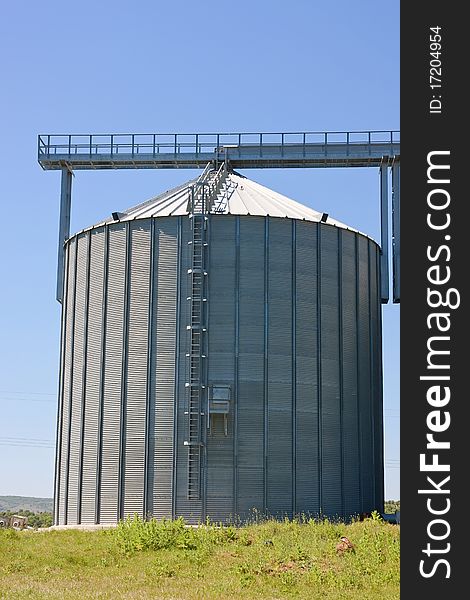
247, 197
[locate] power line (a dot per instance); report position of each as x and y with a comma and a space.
22, 442
28, 393
27, 445
17, 399
24, 439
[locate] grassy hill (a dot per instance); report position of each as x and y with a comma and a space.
16, 503
166, 560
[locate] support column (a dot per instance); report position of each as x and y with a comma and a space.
64, 227
396, 230
384, 271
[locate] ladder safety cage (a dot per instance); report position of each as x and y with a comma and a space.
196, 365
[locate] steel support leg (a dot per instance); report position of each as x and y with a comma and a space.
396, 231
384, 285
64, 227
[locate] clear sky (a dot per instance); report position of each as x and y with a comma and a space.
181, 66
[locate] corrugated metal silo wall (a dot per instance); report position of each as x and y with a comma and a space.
221, 365
115, 429
294, 330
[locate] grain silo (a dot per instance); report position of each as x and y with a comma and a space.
221, 352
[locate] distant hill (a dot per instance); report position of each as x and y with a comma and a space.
15, 503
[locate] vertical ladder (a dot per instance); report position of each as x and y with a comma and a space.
196, 387
208, 194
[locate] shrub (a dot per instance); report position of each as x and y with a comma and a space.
134, 534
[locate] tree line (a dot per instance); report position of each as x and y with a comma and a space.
35, 519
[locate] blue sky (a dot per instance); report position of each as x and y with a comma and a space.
109, 67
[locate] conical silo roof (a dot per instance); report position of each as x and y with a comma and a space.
245, 197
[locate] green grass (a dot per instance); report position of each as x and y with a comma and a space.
166, 560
